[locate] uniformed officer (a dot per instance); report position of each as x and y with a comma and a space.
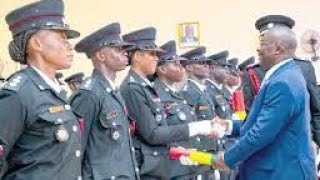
251, 76
242, 66
74, 81
108, 149
194, 91
270, 21
177, 110
219, 75
233, 81
39, 132
251, 81
153, 136
216, 81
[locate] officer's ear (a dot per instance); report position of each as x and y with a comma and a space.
136, 55
34, 43
189, 68
162, 69
100, 55
280, 49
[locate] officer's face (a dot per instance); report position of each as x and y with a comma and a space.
54, 48
148, 62
173, 71
116, 58
218, 73
200, 70
232, 80
266, 51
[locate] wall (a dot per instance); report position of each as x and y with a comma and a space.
227, 24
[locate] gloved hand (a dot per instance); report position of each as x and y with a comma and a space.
184, 160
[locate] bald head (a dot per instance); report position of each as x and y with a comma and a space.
276, 45
284, 37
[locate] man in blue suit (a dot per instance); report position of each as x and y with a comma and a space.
275, 141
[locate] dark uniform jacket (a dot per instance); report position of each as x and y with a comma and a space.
248, 87
222, 106
177, 111
39, 133
203, 106
108, 149
153, 134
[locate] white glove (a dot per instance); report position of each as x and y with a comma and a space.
199, 128
184, 160
218, 130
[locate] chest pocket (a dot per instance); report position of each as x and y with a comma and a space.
176, 113
56, 125
158, 111
111, 122
204, 110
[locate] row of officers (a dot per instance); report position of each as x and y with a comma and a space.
107, 132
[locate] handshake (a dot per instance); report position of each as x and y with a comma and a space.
215, 128
194, 157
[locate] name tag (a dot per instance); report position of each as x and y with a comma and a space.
56, 109
201, 108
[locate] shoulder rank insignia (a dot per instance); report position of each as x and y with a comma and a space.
14, 83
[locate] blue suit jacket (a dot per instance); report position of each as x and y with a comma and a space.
275, 141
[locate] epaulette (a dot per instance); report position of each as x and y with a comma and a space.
133, 81
15, 82
87, 84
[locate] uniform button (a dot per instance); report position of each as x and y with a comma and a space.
78, 153
158, 117
59, 120
198, 139
67, 107
158, 110
108, 90
113, 123
192, 112
132, 149
41, 87
74, 128
204, 116
184, 102
79, 178
155, 153
178, 110
137, 170
113, 177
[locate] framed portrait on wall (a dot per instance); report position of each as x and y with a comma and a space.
189, 34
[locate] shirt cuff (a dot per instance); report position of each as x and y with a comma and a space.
230, 127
